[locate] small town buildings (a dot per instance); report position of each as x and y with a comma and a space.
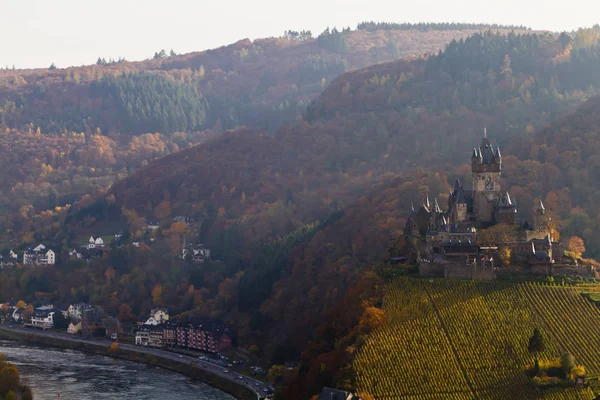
39, 256
203, 334
76, 311
198, 253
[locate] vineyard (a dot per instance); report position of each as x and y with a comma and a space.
468, 340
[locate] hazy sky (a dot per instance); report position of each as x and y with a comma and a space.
36, 33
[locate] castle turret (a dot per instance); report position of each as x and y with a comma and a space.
506, 210
486, 168
540, 219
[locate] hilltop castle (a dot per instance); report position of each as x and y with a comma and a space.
453, 237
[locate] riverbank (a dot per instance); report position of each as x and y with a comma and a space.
181, 364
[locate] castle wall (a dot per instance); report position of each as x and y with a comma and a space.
431, 269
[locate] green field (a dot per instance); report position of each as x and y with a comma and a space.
468, 340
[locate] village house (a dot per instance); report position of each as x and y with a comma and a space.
39, 255
43, 317
142, 336
112, 327
17, 315
7, 262
75, 255
184, 219
157, 316
76, 311
198, 253
97, 243
152, 226
149, 335
74, 328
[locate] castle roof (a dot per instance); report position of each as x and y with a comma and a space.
485, 152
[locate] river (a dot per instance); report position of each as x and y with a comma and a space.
67, 374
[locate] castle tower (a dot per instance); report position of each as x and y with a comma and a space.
540, 217
458, 203
486, 167
506, 210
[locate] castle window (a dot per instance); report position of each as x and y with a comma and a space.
489, 185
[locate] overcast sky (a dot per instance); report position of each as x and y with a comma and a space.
36, 33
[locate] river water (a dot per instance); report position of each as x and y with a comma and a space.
66, 374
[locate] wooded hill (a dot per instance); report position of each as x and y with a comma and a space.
71, 132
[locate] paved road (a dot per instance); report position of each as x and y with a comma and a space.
254, 385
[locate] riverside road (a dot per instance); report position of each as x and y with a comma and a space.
260, 388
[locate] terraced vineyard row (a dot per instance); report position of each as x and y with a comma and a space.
466, 340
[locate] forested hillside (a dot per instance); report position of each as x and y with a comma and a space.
71, 132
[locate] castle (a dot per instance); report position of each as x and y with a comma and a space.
459, 237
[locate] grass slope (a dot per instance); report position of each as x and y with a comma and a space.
468, 340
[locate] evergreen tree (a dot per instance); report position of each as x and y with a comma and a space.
536, 346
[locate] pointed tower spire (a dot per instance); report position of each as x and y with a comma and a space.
427, 204
436, 206
485, 131
412, 206
456, 184
508, 201
541, 206
498, 152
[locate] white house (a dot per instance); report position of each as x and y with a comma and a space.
44, 319
157, 316
76, 311
152, 226
17, 315
39, 248
39, 256
142, 337
74, 254
13, 255
94, 243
